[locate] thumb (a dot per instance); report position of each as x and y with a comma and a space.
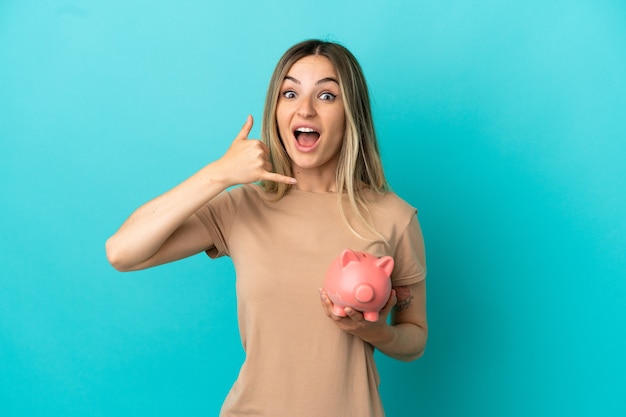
392, 301
245, 129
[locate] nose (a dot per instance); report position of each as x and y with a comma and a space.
306, 107
364, 293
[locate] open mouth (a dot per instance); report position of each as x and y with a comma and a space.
306, 137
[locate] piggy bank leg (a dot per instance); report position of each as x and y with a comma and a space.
339, 311
371, 316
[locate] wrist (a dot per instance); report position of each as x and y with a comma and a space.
215, 175
383, 337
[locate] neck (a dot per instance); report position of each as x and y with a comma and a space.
314, 181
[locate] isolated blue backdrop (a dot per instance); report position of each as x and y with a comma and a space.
502, 121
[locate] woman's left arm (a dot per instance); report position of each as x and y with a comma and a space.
404, 336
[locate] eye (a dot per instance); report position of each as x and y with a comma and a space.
289, 94
328, 96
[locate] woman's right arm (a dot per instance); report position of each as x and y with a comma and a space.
166, 228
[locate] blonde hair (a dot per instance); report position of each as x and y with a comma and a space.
360, 167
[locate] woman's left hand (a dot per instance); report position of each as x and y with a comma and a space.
355, 324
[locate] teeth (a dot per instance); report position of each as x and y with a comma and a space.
305, 130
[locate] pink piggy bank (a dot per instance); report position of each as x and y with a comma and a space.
360, 281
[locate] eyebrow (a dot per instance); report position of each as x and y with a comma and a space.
322, 81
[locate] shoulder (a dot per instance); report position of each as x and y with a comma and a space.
227, 204
253, 192
390, 205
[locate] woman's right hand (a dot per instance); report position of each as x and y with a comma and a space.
248, 160
165, 228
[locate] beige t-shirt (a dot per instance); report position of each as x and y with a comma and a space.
298, 362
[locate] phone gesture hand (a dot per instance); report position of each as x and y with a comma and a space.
248, 160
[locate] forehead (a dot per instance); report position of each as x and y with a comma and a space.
314, 66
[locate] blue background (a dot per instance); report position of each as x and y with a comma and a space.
502, 121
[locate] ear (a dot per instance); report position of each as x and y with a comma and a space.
348, 256
386, 264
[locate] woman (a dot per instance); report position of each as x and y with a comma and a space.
313, 186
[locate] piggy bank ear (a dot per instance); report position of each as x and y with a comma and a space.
348, 256
386, 264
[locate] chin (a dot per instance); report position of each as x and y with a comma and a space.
304, 164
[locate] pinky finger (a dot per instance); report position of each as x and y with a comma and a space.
280, 178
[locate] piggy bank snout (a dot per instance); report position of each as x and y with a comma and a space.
364, 293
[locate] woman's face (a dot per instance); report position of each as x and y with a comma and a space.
310, 114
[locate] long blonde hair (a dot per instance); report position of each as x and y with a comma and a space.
360, 167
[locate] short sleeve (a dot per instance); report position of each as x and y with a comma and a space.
218, 216
409, 256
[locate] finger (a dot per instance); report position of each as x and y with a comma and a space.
324, 298
265, 149
272, 176
245, 129
353, 314
393, 299
326, 304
